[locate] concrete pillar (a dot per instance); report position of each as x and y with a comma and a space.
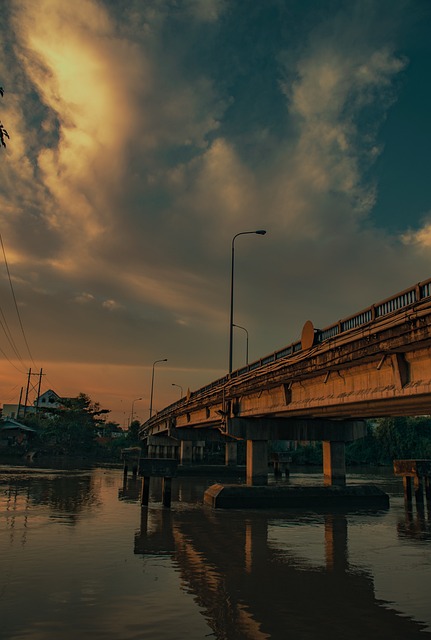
257, 462
198, 451
186, 452
334, 463
231, 454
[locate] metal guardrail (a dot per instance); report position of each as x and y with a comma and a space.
399, 301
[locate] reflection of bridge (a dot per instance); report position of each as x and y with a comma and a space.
374, 363
253, 588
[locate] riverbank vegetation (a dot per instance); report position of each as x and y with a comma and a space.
387, 439
79, 428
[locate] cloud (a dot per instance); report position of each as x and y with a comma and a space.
144, 139
420, 238
84, 298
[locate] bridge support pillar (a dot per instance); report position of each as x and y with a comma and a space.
334, 463
199, 451
257, 462
186, 452
231, 454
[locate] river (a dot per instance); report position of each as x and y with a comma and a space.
81, 559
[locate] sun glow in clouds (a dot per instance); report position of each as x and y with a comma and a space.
144, 138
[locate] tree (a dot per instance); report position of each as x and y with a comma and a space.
3, 133
133, 432
72, 429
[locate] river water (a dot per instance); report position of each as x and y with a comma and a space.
81, 559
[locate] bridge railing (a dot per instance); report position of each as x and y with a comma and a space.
394, 304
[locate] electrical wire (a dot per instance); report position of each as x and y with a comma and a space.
15, 302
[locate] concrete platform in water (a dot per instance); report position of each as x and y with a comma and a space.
318, 497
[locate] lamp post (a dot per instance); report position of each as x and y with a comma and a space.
259, 232
246, 341
132, 412
152, 384
180, 388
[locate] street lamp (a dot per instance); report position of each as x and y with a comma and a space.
259, 232
152, 384
246, 341
133, 405
180, 388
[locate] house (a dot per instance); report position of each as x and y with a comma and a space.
11, 411
13, 433
47, 400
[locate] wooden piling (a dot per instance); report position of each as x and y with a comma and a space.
420, 471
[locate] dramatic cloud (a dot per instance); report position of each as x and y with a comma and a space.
144, 138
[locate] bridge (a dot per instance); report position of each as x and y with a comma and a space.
322, 387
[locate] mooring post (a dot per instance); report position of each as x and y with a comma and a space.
428, 490
420, 471
407, 484
166, 492
165, 468
419, 492
145, 492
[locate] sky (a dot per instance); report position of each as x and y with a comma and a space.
144, 135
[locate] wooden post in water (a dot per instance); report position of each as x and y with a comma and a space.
131, 455
407, 484
165, 468
145, 491
167, 492
420, 471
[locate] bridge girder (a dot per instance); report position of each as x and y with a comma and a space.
382, 369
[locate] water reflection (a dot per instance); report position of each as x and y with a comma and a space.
250, 584
67, 494
130, 490
416, 524
122, 572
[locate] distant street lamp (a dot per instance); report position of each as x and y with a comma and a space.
246, 341
152, 385
259, 232
132, 412
180, 388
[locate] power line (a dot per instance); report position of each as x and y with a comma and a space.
9, 337
15, 302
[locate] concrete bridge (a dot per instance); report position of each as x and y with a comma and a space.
375, 363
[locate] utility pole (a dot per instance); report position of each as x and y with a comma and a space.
33, 388
26, 391
19, 403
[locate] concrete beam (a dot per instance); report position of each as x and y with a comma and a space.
163, 441
199, 434
296, 429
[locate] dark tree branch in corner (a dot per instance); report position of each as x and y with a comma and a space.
3, 133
